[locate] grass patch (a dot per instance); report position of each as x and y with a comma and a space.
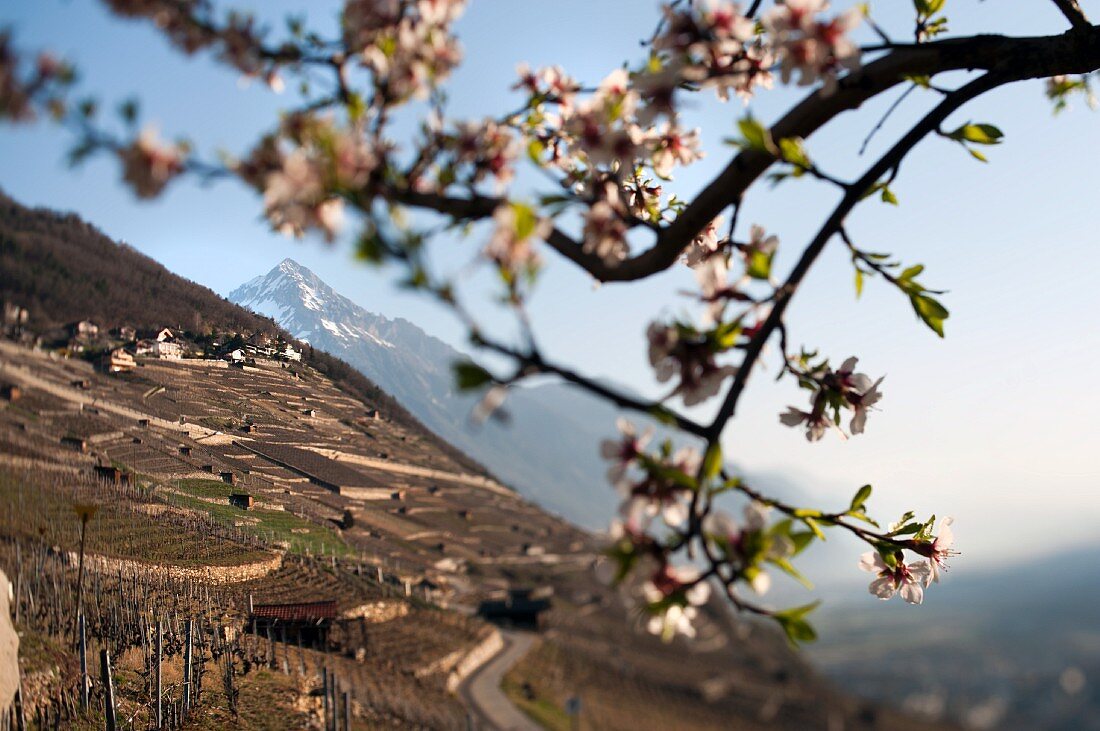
38, 508
302, 535
542, 711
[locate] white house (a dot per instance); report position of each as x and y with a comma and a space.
167, 350
165, 336
291, 354
235, 356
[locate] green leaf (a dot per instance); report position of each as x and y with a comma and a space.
786, 567
756, 135
712, 462
978, 134
795, 625
859, 282
727, 486
535, 148
906, 529
860, 515
526, 220
812, 525
760, 265
860, 497
930, 311
469, 375
726, 335
911, 272
977, 155
797, 630
663, 415
888, 196
792, 151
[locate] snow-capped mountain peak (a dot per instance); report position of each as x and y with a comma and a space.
559, 466
297, 299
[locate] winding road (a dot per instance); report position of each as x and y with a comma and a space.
489, 707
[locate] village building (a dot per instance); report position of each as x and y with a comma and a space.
125, 333
165, 336
167, 350
237, 355
118, 361
291, 354
259, 340
15, 319
83, 330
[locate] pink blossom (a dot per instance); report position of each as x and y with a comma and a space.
704, 245
908, 579
149, 164
512, 243
623, 451
938, 550
672, 146
815, 49
672, 353
605, 233
816, 424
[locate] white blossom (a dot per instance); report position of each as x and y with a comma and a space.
906, 579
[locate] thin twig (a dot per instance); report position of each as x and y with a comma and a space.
890, 160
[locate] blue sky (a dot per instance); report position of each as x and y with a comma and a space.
995, 424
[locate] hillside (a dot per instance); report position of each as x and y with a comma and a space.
555, 426
63, 269
364, 520
424, 539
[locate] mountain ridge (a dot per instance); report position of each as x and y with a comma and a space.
560, 465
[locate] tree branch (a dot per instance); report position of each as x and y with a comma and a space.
1017, 58
535, 360
833, 224
1073, 12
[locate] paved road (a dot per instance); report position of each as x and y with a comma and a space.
481, 692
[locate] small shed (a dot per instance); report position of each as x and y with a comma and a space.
110, 473
304, 622
520, 609
229, 478
241, 500
80, 444
10, 392
185, 450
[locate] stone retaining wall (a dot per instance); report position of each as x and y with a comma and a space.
209, 574
474, 659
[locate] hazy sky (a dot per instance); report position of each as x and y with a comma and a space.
995, 425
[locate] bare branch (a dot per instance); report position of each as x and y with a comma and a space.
535, 361
1073, 12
